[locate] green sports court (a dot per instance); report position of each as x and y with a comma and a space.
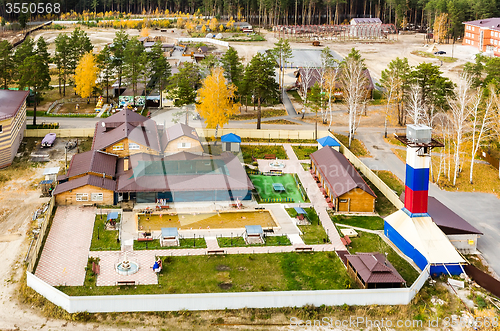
270, 190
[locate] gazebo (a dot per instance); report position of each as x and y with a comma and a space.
169, 237
230, 142
111, 220
301, 213
328, 141
254, 234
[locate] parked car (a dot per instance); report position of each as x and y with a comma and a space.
439, 53
48, 140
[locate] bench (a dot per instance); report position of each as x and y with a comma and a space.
125, 282
303, 249
346, 241
96, 269
270, 157
145, 239
216, 251
88, 205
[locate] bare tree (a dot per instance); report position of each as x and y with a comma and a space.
307, 73
390, 85
354, 82
331, 77
462, 107
415, 107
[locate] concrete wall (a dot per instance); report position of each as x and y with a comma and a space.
218, 301
61, 133
264, 134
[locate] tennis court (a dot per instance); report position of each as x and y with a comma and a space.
276, 187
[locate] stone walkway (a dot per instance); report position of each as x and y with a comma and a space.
65, 254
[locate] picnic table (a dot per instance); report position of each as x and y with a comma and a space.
270, 157
278, 187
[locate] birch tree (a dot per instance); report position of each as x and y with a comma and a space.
354, 82
390, 84
306, 76
329, 77
481, 124
461, 109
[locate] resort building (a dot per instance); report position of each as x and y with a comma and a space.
12, 124
373, 270
341, 182
484, 35
126, 163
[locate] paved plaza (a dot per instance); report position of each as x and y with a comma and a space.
65, 254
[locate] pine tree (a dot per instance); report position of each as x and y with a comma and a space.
105, 65
183, 84
34, 73
118, 49
6, 63
160, 67
233, 69
62, 59
134, 63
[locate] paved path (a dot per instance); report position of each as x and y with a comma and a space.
212, 243
288, 105
65, 254
479, 209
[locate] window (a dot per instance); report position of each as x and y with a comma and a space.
82, 197
472, 43
97, 196
118, 147
184, 145
343, 200
133, 146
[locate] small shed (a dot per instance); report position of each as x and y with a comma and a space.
51, 173
202, 49
219, 36
169, 237
230, 142
47, 187
254, 234
301, 213
198, 57
111, 220
328, 141
373, 270
112, 216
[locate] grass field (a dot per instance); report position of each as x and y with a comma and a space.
306, 166
357, 146
234, 273
365, 222
382, 205
240, 241
104, 240
264, 186
391, 180
183, 243
431, 55
314, 233
370, 242
259, 151
303, 152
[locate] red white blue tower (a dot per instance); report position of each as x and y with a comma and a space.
411, 228
419, 143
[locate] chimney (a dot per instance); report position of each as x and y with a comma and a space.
125, 164
419, 143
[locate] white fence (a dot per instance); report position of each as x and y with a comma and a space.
263, 133
204, 40
219, 301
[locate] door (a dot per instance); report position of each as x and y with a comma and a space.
343, 205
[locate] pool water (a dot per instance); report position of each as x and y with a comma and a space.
223, 220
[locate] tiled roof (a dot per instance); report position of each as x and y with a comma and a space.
105, 183
10, 102
92, 161
489, 23
126, 124
338, 172
139, 179
176, 131
374, 268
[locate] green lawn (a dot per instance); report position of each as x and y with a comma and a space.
357, 146
314, 233
306, 166
303, 152
295, 95
235, 273
391, 180
240, 241
183, 243
365, 222
370, 242
382, 205
104, 240
264, 186
260, 151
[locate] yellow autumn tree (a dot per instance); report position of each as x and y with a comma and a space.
204, 28
215, 99
441, 27
213, 24
221, 28
145, 32
86, 75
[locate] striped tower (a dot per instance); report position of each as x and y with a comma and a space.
417, 169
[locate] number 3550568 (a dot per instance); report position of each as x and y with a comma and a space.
32, 8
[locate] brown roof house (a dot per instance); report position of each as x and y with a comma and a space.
86, 190
373, 270
126, 133
341, 182
12, 124
180, 138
